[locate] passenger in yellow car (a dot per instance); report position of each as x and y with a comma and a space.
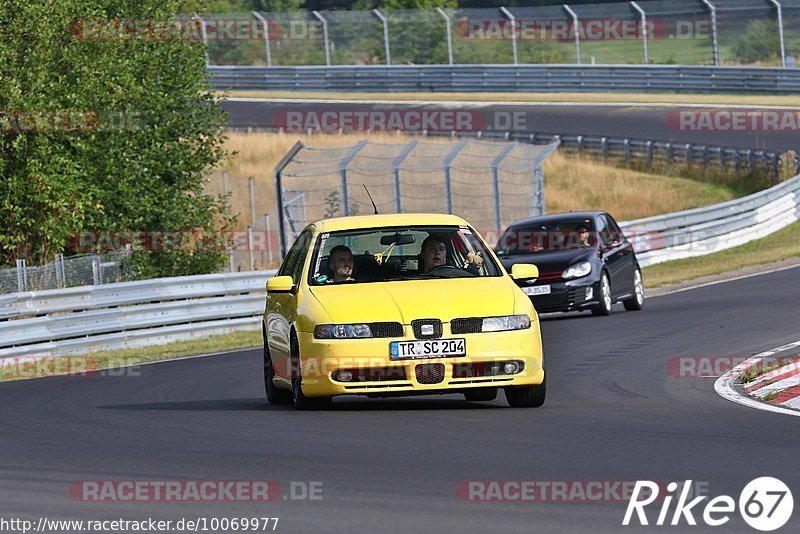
434, 254
340, 261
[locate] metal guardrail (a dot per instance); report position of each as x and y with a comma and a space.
510, 78
714, 228
135, 314
129, 314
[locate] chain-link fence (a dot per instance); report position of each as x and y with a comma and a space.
491, 184
78, 270
686, 32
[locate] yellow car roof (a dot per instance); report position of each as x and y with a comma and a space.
392, 219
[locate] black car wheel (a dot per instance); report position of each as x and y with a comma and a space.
301, 402
637, 302
275, 395
481, 394
604, 308
527, 397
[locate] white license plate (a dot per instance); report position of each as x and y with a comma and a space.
537, 290
427, 348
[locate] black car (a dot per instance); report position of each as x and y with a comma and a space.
584, 261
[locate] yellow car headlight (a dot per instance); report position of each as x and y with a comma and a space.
508, 322
342, 331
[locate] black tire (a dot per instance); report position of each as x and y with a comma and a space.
274, 394
301, 402
527, 397
604, 308
481, 394
636, 303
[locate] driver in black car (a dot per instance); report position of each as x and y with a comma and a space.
434, 254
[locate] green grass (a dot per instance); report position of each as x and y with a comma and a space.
126, 357
781, 245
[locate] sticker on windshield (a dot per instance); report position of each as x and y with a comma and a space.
322, 241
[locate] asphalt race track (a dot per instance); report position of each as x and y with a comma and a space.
613, 413
640, 122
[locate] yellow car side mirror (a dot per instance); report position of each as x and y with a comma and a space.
280, 284
524, 271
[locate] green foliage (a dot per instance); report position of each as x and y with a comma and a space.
760, 42
138, 163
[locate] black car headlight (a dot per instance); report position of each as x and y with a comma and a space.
508, 322
577, 270
342, 331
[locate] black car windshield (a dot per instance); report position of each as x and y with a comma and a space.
399, 253
574, 234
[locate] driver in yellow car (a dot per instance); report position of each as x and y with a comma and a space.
341, 263
434, 254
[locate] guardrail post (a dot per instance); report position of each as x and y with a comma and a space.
649, 148
751, 159
705, 155
688, 154
604, 147
644, 31
385, 34
780, 31
580, 145
714, 41
324, 36
265, 23
343, 164
626, 147
513, 21
204, 33
668, 149
22, 276
496, 183
575, 28
448, 161
396, 162
449, 34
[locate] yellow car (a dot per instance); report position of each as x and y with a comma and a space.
402, 304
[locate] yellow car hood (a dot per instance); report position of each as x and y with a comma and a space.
405, 301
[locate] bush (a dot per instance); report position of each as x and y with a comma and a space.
760, 42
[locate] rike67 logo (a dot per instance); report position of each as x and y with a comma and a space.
765, 504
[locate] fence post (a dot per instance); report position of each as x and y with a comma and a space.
204, 33
398, 199
449, 34
343, 164
324, 37
60, 271
250, 247
252, 185
448, 161
96, 270
575, 28
278, 173
22, 276
269, 238
265, 22
513, 21
780, 31
496, 184
644, 31
385, 34
714, 41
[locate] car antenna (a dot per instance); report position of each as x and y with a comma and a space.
370, 199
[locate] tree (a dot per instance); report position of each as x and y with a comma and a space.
125, 129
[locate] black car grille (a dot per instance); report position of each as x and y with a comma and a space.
471, 325
429, 373
374, 374
417, 326
559, 300
386, 329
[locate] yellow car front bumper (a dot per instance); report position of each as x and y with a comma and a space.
320, 358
